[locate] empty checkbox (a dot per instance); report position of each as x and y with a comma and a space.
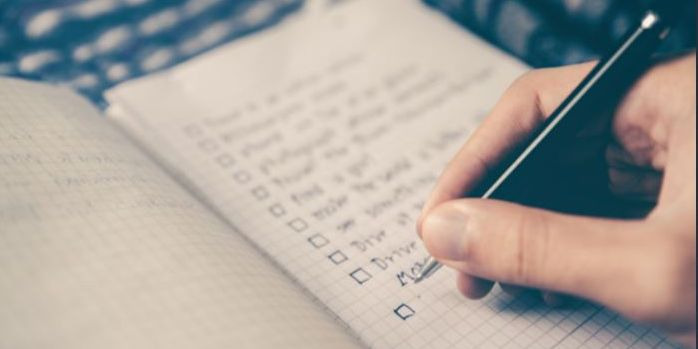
277, 210
404, 311
193, 131
318, 240
208, 145
298, 225
337, 257
242, 177
260, 192
225, 160
360, 275
272, 99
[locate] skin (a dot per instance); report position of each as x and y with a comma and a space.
644, 268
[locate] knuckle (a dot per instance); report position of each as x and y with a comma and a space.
527, 87
529, 248
678, 268
670, 282
618, 183
469, 249
678, 257
525, 81
471, 246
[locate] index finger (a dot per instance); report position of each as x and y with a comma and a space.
523, 106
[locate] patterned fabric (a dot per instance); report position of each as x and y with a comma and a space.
90, 45
556, 32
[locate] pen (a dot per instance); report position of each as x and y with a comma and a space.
602, 88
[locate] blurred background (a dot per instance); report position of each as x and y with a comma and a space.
91, 45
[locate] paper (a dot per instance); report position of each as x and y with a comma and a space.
99, 248
320, 140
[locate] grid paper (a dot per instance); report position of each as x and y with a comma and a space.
324, 161
99, 248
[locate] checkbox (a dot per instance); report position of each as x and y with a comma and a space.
298, 225
337, 257
225, 160
360, 275
272, 99
318, 240
193, 131
208, 145
242, 177
260, 192
404, 311
277, 210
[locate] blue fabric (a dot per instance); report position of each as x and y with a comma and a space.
556, 32
91, 45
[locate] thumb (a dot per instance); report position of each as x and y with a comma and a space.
525, 246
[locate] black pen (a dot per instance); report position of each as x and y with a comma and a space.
602, 88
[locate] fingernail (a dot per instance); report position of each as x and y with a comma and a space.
444, 232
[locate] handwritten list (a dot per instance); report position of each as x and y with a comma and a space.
278, 148
325, 164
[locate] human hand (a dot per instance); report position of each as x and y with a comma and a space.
643, 268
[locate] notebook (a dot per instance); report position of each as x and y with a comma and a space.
262, 195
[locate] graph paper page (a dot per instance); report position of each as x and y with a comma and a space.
321, 138
99, 248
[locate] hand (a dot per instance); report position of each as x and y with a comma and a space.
643, 268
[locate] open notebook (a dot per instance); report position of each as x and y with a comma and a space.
262, 195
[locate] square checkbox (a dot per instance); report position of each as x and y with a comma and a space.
260, 192
360, 275
208, 145
318, 240
337, 257
277, 210
193, 131
272, 99
404, 311
225, 160
242, 177
298, 225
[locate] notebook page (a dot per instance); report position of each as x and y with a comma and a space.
321, 138
100, 249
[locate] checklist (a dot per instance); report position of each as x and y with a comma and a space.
325, 160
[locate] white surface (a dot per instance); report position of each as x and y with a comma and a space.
99, 248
